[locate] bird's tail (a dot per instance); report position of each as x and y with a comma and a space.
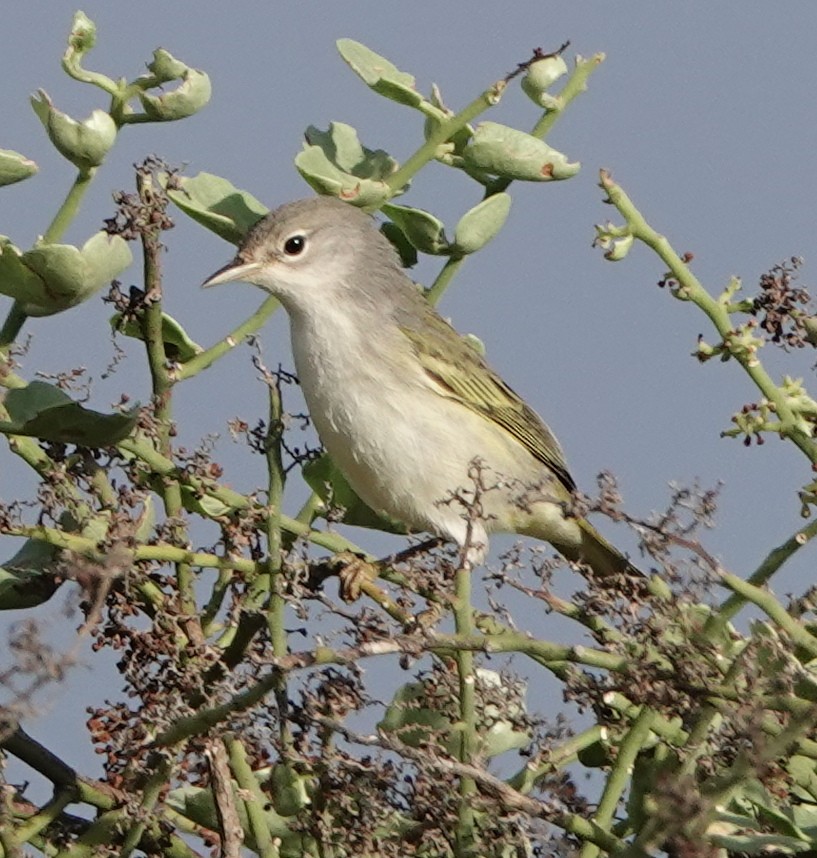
594, 550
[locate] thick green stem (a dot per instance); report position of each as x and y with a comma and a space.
619, 776
773, 561
156, 783
208, 357
277, 602
254, 801
444, 278
442, 133
70, 206
464, 625
13, 324
152, 334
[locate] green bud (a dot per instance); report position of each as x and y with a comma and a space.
619, 248
425, 231
540, 76
475, 343
188, 98
481, 223
84, 144
15, 167
809, 324
503, 151
82, 36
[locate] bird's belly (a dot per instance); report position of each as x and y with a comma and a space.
426, 461
417, 456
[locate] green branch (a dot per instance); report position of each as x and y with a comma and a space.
209, 356
792, 425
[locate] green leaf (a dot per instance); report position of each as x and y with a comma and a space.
325, 479
500, 150
15, 167
422, 711
51, 278
760, 844
196, 803
206, 505
16, 280
802, 771
335, 163
178, 346
481, 223
379, 74
85, 144
189, 97
540, 76
423, 230
405, 249
289, 789
165, 67
43, 411
218, 205
27, 579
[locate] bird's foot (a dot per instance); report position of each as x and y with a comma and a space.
354, 573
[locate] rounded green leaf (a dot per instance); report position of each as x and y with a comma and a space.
41, 410
423, 711
500, 150
378, 73
27, 579
15, 167
425, 231
540, 76
481, 223
218, 205
85, 144
335, 163
405, 249
192, 94
290, 790
65, 275
177, 344
325, 178
325, 479
16, 280
165, 67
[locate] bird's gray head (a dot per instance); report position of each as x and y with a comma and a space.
313, 250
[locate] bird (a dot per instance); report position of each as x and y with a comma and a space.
422, 428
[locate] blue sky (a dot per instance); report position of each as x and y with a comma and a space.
704, 112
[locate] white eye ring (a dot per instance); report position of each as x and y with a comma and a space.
295, 245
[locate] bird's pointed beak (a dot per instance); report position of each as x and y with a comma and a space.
235, 270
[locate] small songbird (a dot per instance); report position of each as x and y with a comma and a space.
408, 409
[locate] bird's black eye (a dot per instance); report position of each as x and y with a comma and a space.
294, 245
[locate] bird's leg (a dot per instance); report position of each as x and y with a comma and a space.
356, 571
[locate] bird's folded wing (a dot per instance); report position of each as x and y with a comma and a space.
459, 373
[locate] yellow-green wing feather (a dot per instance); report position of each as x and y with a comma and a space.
460, 371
